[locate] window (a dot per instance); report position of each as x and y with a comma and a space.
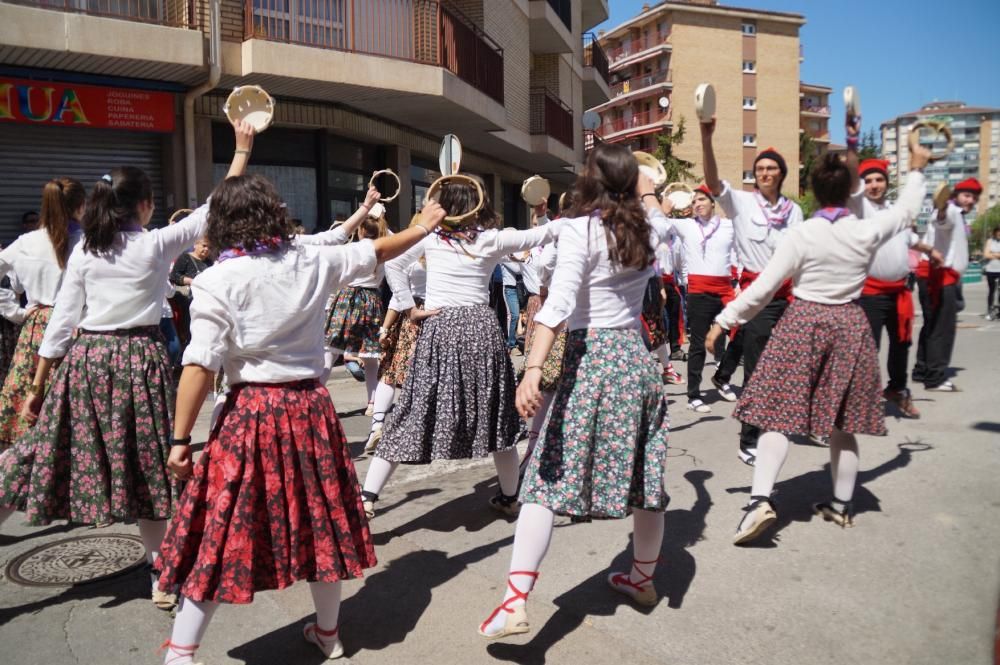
748, 176
750, 103
749, 139
749, 66
749, 28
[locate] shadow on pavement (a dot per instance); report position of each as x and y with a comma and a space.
37, 533
986, 427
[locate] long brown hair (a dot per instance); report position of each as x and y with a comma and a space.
246, 211
607, 186
113, 202
458, 198
61, 198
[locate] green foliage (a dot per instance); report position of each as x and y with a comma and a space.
808, 154
869, 148
982, 228
808, 203
678, 170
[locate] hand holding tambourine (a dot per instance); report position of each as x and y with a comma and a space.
371, 197
244, 134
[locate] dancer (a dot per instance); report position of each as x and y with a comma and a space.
274, 497
761, 219
991, 254
673, 308
819, 373
708, 246
457, 401
604, 447
98, 452
36, 261
947, 233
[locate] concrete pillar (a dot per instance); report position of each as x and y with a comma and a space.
399, 211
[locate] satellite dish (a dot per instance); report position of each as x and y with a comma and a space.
664, 102
591, 120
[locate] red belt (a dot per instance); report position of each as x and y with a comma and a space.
720, 286
904, 303
923, 270
784, 292
939, 278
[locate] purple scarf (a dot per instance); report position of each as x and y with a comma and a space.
776, 215
260, 247
832, 214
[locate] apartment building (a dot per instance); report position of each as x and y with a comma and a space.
976, 132
360, 85
658, 58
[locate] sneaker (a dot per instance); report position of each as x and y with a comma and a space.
903, 401
507, 505
672, 376
679, 354
843, 518
725, 390
355, 369
748, 456
759, 515
946, 387
698, 406
373, 438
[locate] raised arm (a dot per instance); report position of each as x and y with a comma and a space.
783, 264
508, 241
708, 158
341, 234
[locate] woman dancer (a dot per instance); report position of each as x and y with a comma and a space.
991, 254
274, 498
37, 261
605, 442
819, 373
98, 452
458, 399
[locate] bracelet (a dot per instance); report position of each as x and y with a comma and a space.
242, 151
186, 441
852, 141
34, 389
423, 228
651, 194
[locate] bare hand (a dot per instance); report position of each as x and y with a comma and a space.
419, 314
179, 462
244, 134
529, 397
31, 310
937, 259
919, 157
32, 407
667, 206
713, 337
644, 185
371, 197
708, 128
853, 125
431, 215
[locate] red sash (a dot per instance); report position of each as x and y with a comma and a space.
923, 270
720, 286
904, 303
668, 283
939, 278
784, 292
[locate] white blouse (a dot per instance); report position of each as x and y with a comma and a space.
892, 260
458, 273
33, 260
948, 236
416, 277
261, 318
122, 288
828, 262
587, 289
665, 258
707, 245
755, 240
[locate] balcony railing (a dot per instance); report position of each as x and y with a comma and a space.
421, 31
564, 10
550, 116
633, 46
640, 82
594, 56
811, 108
175, 13
634, 121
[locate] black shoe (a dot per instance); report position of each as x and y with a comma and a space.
679, 354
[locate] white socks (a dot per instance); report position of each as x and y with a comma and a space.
506, 462
772, 449
844, 463
189, 628
382, 400
379, 472
152, 532
663, 353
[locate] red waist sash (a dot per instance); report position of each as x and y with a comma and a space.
939, 278
923, 270
784, 292
904, 303
720, 286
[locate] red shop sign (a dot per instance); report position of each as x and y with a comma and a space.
77, 105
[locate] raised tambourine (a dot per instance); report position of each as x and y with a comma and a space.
252, 104
651, 167
941, 196
371, 183
938, 128
455, 221
179, 215
681, 196
704, 102
852, 102
535, 190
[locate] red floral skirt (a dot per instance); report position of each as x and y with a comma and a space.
274, 499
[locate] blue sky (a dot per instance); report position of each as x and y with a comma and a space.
900, 54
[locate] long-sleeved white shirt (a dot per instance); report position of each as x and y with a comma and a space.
587, 289
755, 239
123, 288
416, 276
665, 258
949, 237
458, 273
827, 262
707, 245
892, 260
261, 318
32, 259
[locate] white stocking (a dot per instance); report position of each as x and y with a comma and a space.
371, 376
506, 462
647, 536
844, 463
382, 400
772, 449
152, 532
379, 472
326, 598
663, 353
189, 629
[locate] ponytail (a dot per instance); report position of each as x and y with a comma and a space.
61, 198
113, 202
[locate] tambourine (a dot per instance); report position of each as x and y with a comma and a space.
563, 201
704, 102
941, 196
371, 183
251, 104
682, 198
454, 221
852, 102
651, 167
535, 190
939, 128
183, 212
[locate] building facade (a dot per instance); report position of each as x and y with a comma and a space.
360, 85
658, 58
976, 132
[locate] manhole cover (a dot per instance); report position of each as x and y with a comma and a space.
77, 560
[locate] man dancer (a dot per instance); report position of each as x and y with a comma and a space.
760, 218
947, 233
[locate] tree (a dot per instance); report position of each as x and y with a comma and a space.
808, 154
869, 149
678, 170
982, 227
808, 204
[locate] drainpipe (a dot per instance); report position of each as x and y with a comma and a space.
214, 74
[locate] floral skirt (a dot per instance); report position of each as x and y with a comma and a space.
98, 452
535, 303
552, 367
355, 317
274, 499
818, 371
9, 332
652, 314
398, 356
20, 375
604, 444
457, 401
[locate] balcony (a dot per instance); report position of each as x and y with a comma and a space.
595, 72
416, 62
814, 110
550, 26
593, 12
152, 39
638, 87
634, 124
634, 51
550, 116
